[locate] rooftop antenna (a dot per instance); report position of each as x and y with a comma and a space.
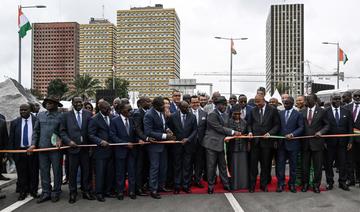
103, 9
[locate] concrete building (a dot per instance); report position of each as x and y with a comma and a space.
97, 49
285, 48
148, 49
55, 53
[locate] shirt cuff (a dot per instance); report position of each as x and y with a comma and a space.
232, 132
164, 136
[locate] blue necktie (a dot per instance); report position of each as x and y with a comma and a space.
78, 119
127, 126
337, 117
25, 134
287, 116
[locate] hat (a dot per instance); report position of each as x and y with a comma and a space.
220, 100
51, 99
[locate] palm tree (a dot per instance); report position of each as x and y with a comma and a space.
84, 86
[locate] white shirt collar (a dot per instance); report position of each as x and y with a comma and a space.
76, 112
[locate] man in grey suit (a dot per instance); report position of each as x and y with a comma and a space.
216, 131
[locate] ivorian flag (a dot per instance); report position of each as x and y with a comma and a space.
233, 51
342, 56
23, 23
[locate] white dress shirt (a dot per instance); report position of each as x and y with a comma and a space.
30, 130
334, 112
356, 112
163, 120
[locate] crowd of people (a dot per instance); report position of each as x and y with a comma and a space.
196, 127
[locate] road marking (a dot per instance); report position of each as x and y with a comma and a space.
17, 204
233, 202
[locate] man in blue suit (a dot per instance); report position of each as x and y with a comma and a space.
122, 130
99, 133
292, 125
176, 97
155, 127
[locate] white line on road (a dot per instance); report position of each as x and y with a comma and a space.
17, 204
235, 204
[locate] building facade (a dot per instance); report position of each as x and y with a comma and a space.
148, 49
55, 53
285, 49
97, 49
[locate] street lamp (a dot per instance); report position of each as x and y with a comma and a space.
337, 61
231, 53
21, 7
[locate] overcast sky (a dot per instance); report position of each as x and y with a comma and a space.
201, 20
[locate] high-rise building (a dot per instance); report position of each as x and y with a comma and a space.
97, 49
55, 53
148, 49
285, 49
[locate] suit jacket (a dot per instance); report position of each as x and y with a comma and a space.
172, 107
98, 130
320, 124
188, 131
216, 130
201, 125
270, 124
138, 118
118, 134
356, 123
70, 130
2, 117
4, 134
295, 126
15, 132
153, 127
345, 126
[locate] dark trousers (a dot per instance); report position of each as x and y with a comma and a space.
199, 158
46, 161
316, 157
282, 155
338, 153
216, 159
77, 160
158, 169
182, 166
27, 168
170, 166
104, 175
142, 168
120, 170
353, 163
264, 155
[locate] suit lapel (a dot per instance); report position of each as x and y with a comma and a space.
72, 115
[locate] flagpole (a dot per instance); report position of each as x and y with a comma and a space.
338, 66
19, 74
231, 56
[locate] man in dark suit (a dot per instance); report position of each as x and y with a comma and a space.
353, 158
122, 130
183, 124
232, 102
199, 153
264, 121
216, 131
245, 108
155, 127
3, 141
176, 98
292, 125
142, 162
340, 122
315, 123
2, 177
27, 165
74, 132
99, 133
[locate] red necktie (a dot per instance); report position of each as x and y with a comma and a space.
310, 116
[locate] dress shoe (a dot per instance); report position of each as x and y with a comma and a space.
264, 188
316, 190
2, 196
43, 198
344, 187
176, 190
227, 188
350, 183
199, 185
22, 196
210, 190
187, 190
141, 192
55, 198
100, 198
251, 189
292, 188
132, 195
2, 177
65, 181
72, 198
305, 188
120, 196
110, 195
155, 195
35, 195
163, 189
329, 186
88, 196
280, 188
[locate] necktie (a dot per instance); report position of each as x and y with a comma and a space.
183, 120
243, 113
355, 111
287, 116
25, 134
78, 119
127, 126
337, 117
196, 116
310, 117
162, 120
107, 120
261, 115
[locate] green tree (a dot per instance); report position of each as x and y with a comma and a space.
57, 88
121, 87
84, 86
36, 93
282, 87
